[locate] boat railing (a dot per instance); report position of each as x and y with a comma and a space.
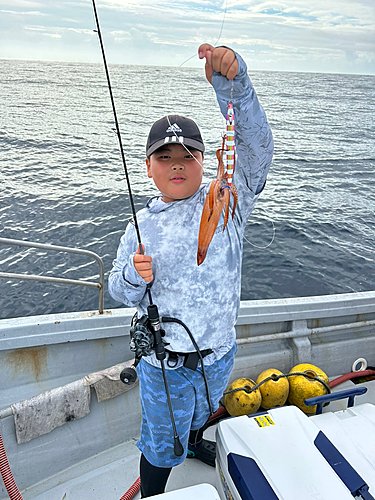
52, 279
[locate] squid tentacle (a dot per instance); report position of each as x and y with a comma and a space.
218, 197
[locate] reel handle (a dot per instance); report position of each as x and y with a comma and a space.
128, 376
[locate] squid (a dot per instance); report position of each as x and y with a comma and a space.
218, 196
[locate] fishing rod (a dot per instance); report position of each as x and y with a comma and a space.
118, 133
152, 310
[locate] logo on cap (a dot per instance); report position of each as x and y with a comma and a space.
173, 128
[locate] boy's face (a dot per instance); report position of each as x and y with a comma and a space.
176, 173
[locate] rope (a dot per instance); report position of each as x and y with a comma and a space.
275, 378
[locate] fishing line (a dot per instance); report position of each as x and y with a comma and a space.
231, 97
180, 66
217, 41
272, 240
222, 23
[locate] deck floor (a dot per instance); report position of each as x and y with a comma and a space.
109, 475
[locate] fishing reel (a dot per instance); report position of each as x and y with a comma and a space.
145, 338
142, 336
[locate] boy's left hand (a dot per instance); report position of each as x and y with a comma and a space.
219, 59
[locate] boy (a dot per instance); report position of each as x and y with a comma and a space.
206, 297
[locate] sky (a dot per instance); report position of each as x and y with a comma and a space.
324, 36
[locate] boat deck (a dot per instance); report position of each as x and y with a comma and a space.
108, 475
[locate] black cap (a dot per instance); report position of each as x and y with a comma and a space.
174, 129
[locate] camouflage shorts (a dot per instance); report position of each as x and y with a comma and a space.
189, 403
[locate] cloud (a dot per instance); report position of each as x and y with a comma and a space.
22, 3
338, 35
21, 13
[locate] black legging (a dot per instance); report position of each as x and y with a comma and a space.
154, 479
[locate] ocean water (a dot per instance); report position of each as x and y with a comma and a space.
62, 180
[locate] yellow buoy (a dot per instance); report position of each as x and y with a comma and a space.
274, 392
240, 402
302, 388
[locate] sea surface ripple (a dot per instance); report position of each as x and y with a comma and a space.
62, 180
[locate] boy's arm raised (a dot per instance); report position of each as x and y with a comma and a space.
227, 73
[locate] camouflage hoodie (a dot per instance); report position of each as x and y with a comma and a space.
205, 298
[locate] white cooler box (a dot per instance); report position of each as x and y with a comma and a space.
199, 492
285, 455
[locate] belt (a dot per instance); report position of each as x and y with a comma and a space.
190, 358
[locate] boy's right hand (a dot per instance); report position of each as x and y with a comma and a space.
142, 264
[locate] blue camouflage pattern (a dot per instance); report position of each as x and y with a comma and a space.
189, 403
